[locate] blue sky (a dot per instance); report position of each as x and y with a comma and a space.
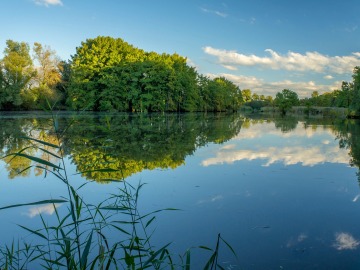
262, 45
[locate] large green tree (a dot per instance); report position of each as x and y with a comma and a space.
89, 69
109, 74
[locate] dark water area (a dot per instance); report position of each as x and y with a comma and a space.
284, 192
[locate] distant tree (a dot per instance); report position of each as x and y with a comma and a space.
285, 100
246, 94
355, 103
256, 105
255, 97
269, 99
314, 94
63, 85
47, 77
17, 72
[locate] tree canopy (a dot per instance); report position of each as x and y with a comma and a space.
110, 75
16, 74
285, 100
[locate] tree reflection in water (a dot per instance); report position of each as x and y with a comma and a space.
115, 146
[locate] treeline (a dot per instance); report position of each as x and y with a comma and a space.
348, 96
108, 74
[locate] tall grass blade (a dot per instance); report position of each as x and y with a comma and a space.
40, 141
36, 159
129, 260
34, 232
207, 248
210, 261
120, 229
154, 255
12, 154
188, 258
111, 258
84, 256
49, 152
35, 203
149, 222
229, 246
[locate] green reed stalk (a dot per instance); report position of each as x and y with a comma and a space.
70, 242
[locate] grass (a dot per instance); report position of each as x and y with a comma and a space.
82, 238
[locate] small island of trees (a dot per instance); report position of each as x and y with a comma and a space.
108, 74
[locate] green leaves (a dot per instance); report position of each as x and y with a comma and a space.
108, 74
285, 100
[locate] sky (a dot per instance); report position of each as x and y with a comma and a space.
262, 45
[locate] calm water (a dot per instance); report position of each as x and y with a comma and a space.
283, 192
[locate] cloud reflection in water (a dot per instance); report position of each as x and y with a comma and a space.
345, 241
48, 209
267, 143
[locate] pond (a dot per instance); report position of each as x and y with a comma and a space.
283, 192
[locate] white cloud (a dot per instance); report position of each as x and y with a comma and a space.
292, 61
259, 86
351, 29
216, 12
244, 82
44, 209
345, 241
229, 67
294, 241
48, 2
211, 200
191, 63
328, 77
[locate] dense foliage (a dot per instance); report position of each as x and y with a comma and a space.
108, 74
346, 97
111, 75
285, 99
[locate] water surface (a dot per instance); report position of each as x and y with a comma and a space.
283, 192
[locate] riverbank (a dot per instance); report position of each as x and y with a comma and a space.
314, 112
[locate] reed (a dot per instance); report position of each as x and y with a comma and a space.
81, 238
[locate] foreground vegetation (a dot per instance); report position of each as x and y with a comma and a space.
110, 235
